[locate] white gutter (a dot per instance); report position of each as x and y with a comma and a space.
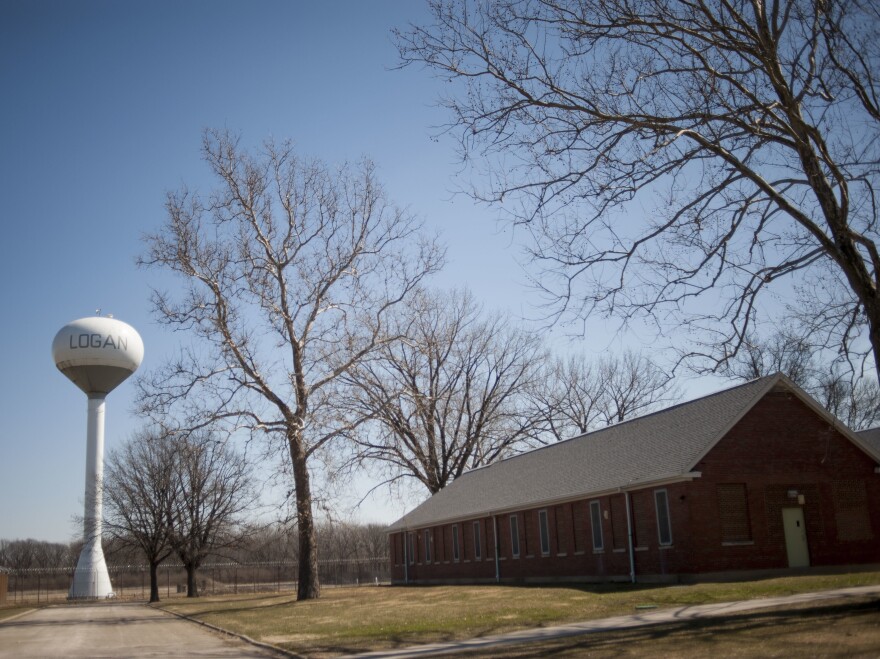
497, 552
405, 535
629, 532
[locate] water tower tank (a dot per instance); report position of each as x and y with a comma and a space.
97, 353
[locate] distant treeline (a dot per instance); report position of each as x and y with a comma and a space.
267, 544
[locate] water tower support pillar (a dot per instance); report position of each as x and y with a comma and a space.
91, 579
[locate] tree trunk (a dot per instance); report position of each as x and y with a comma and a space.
154, 582
309, 586
192, 588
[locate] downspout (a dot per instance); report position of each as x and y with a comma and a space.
405, 537
495, 537
629, 533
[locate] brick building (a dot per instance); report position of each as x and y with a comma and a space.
755, 477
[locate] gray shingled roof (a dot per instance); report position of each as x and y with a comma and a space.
663, 446
871, 437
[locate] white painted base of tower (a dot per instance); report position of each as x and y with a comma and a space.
91, 579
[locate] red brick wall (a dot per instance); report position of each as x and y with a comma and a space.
778, 447
782, 446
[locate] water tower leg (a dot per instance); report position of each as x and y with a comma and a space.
91, 579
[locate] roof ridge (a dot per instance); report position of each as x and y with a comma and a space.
665, 410
662, 444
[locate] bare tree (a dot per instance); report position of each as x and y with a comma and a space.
289, 270
351, 541
59, 554
634, 385
567, 399
374, 540
852, 397
214, 488
20, 554
270, 543
30, 554
339, 540
782, 352
853, 400
449, 395
140, 491
576, 397
677, 161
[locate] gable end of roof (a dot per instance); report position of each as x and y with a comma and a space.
662, 447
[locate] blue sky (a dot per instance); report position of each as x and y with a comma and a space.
103, 108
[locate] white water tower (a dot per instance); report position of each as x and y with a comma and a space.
97, 354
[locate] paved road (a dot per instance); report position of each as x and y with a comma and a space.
114, 630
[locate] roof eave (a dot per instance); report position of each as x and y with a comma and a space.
590, 494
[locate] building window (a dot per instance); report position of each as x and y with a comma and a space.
851, 511
544, 531
514, 536
596, 521
478, 550
427, 545
733, 512
455, 552
412, 547
664, 528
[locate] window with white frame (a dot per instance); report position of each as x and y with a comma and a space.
596, 522
514, 536
478, 549
544, 529
664, 527
455, 545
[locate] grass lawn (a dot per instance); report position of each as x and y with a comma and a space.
374, 618
8, 612
842, 629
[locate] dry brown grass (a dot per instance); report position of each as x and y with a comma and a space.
9, 611
837, 629
348, 620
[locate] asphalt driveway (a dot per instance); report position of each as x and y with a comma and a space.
115, 630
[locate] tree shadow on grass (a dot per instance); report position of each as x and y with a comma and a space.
218, 608
787, 632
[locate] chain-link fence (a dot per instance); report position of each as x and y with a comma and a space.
132, 582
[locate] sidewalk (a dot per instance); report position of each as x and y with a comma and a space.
679, 614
